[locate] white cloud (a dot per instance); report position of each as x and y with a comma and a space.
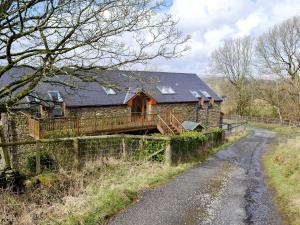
210, 22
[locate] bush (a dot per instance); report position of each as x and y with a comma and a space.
47, 162
150, 147
192, 145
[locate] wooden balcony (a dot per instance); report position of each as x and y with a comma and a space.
76, 126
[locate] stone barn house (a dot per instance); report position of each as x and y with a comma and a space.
107, 102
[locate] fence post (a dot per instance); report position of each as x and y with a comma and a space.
5, 153
77, 153
124, 149
168, 153
38, 169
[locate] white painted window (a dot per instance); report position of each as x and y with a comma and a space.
55, 96
166, 90
32, 98
206, 94
195, 94
109, 91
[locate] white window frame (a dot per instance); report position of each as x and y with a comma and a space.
195, 93
166, 90
109, 91
34, 96
205, 93
59, 98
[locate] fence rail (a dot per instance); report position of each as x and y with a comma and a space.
261, 119
75, 126
73, 153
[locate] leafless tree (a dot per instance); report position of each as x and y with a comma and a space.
233, 59
63, 36
278, 54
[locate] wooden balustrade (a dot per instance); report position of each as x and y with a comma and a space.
41, 128
176, 123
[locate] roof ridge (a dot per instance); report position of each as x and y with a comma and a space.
145, 71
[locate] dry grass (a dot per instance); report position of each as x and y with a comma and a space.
89, 197
283, 170
84, 198
282, 165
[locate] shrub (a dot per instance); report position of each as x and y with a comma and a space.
47, 162
192, 145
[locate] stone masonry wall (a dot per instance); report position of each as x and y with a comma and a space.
99, 111
206, 116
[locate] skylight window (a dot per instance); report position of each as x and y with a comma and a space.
166, 90
195, 94
55, 96
109, 91
206, 94
32, 98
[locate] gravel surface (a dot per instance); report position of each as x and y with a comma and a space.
229, 188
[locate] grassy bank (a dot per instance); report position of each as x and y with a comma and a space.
91, 196
282, 166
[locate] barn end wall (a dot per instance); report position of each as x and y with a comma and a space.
188, 111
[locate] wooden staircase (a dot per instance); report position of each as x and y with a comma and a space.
172, 127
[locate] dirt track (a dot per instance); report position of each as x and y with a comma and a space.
229, 188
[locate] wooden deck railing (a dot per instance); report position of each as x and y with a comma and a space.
162, 126
50, 127
176, 123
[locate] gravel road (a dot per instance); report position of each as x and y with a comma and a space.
229, 188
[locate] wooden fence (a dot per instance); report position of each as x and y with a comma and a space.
73, 153
261, 119
75, 126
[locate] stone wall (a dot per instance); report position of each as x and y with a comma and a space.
186, 110
209, 116
15, 128
99, 111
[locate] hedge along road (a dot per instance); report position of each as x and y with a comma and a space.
229, 188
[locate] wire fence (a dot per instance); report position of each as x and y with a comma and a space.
34, 157
57, 168
262, 119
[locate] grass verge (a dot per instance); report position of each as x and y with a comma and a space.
91, 196
282, 166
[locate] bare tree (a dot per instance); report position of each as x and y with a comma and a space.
63, 36
278, 54
233, 59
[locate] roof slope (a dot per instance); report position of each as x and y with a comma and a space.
124, 83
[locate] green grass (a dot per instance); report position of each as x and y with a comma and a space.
113, 190
282, 167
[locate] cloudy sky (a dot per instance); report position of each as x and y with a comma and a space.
209, 22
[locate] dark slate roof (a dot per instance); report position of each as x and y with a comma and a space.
125, 84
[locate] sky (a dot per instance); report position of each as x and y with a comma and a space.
209, 22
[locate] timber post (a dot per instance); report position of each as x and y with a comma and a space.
38, 169
77, 160
168, 153
124, 155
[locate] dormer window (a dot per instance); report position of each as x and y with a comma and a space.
195, 94
55, 96
166, 90
109, 91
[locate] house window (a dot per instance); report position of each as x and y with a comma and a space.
55, 96
195, 94
166, 90
32, 98
109, 91
206, 94
58, 111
